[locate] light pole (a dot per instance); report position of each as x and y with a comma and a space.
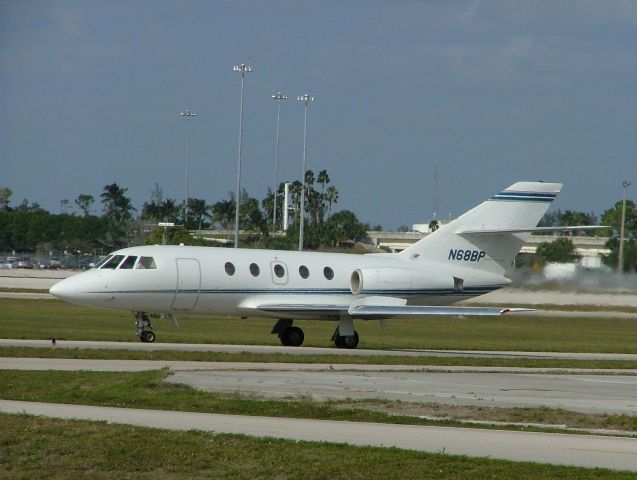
305, 99
187, 115
278, 96
620, 257
242, 69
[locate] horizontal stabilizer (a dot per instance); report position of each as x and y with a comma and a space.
530, 230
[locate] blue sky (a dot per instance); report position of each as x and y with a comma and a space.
489, 92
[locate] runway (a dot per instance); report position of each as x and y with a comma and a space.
599, 394
271, 349
562, 449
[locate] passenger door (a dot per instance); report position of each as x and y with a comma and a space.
188, 284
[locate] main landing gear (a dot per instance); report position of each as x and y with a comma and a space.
344, 337
142, 321
345, 341
290, 336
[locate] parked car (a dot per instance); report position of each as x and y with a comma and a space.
25, 263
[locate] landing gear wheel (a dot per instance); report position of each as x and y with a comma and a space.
147, 337
142, 321
345, 341
292, 337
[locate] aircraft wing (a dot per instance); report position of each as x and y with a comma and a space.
377, 307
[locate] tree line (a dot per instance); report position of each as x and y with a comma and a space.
28, 227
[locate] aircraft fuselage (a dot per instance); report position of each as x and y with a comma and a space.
224, 281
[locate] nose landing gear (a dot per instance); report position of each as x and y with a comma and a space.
142, 322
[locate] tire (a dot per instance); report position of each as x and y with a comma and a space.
148, 337
292, 337
351, 341
346, 341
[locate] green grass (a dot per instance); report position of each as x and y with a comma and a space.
519, 415
40, 319
23, 290
442, 360
34, 447
148, 390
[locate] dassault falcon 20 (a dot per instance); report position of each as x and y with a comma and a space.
465, 258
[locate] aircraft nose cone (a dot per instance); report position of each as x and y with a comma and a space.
59, 290
81, 289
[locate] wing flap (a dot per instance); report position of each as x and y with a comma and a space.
385, 311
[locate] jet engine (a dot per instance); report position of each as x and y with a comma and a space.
390, 279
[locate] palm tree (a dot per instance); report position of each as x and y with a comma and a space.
331, 195
224, 213
116, 205
268, 205
198, 211
323, 178
295, 192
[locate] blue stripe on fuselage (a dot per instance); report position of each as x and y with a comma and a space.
316, 291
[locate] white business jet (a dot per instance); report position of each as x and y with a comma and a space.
465, 258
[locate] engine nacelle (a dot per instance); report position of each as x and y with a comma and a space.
390, 279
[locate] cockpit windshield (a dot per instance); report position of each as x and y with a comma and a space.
113, 262
146, 262
128, 263
103, 261
123, 262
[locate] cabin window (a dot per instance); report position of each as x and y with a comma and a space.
303, 271
254, 269
229, 268
146, 263
279, 271
328, 272
103, 261
113, 262
128, 263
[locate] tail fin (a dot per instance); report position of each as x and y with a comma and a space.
489, 236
